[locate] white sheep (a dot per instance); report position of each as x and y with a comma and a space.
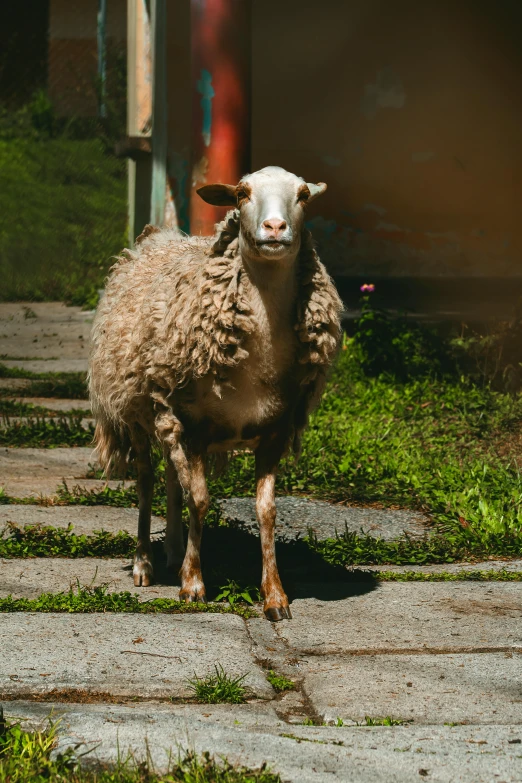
213, 344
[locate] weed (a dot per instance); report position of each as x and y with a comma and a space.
42, 432
234, 594
308, 722
339, 723
63, 385
31, 756
387, 721
444, 576
9, 407
219, 687
279, 682
46, 541
87, 600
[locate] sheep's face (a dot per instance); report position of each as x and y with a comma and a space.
272, 207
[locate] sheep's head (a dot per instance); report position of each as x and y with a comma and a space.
272, 205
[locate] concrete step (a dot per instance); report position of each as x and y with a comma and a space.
43, 331
60, 406
122, 655
406, 617
30, 577
298, 515
84, 519
26, 473
252, 734
476, 688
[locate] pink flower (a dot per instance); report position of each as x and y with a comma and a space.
368, 288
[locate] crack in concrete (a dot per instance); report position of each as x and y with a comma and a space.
412, 651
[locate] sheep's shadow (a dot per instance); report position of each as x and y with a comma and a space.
232, 552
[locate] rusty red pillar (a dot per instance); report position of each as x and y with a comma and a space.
221, 99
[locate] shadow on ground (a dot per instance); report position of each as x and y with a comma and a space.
233, 553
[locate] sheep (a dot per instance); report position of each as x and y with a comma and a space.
212, 345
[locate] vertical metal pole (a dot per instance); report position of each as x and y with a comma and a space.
139, 111
221, 98
159, 113
102, 56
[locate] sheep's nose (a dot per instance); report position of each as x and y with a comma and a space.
274, 225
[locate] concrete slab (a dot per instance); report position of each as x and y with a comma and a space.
84, 519
45, 331
28, 473
251, 735
296, 515
60, 406
433, 689
121, 655
30, 577
13, 384
408, 616
47, 365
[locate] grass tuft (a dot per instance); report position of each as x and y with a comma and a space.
387, 721
279, 682
219, 688
31, 756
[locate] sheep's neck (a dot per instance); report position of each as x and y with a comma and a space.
272, 290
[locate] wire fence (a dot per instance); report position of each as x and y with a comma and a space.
63, 193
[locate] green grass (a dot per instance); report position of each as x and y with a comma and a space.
47, 541
27, 755
64, 385
64, 214
219, 688
87, 600
444, 576
279, 682
387, 721
46, 433
10, 407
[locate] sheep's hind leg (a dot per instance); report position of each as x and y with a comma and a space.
143, 571
275, 600
174, 543
191, 475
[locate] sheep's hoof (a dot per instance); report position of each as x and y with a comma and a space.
143, 573
192, 598
276, 613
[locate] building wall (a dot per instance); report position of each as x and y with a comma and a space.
411, 111
72, 68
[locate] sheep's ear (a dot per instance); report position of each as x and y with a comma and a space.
315, 190
218, 195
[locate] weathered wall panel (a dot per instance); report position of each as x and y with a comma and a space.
412, 112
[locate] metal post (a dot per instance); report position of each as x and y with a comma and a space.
102, 56
159, 113
221, 90
139, 115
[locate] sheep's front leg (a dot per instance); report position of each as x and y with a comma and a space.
174, 543
275, 600
143, 571
192, 587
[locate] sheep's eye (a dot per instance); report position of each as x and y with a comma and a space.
242, 196
303, 195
